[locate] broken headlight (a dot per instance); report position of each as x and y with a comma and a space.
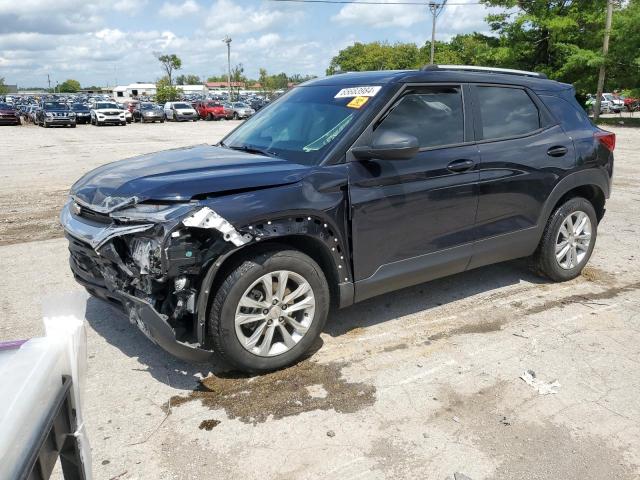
156, 213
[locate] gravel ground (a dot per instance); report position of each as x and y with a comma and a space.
421, 383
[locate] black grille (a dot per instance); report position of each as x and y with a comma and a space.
95, 216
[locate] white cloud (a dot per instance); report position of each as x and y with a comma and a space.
230, 18
175, 10
129, 6
381, 16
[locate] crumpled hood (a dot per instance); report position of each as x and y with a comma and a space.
181, 174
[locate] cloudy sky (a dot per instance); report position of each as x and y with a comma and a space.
107, 41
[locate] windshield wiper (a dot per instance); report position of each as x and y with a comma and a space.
249, 149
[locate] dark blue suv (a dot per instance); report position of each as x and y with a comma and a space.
346, 187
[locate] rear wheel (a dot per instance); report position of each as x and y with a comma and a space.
568, 240
210, 117
269, 311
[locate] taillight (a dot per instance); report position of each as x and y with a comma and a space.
607, 139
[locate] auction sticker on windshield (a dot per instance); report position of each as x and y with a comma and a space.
358, 92
357, 102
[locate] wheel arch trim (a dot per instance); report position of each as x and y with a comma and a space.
312, 234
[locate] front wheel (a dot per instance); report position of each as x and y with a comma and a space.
567, 241
269, 311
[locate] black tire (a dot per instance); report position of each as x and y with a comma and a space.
222, 315
236, 117
210, 117
544, 259
73, 125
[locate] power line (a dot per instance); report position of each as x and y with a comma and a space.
371, 2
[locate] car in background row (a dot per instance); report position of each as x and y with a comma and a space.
241, 110
8, 115
52, 113
145, 112
107, 113
180, 111
615, 101
213, 111
128, 116
83, 113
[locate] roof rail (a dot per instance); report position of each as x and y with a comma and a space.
471, 68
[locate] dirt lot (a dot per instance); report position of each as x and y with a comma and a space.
422, 383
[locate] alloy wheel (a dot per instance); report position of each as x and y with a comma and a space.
275, 313
573, 240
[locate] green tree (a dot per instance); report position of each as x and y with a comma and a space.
170, 62
623, 63
218, 78
3, 87
187, 80
374, 56
166, 92
69, 86
562, 38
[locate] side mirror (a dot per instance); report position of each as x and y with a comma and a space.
389, 145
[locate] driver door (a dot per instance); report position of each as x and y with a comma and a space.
413, 220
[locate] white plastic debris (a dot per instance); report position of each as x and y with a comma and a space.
543, 388
207, 218
31, 377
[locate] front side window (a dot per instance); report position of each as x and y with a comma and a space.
433, 115
506, 112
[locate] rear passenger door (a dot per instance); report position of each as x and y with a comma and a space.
523, 154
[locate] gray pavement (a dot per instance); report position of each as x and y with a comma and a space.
421, 383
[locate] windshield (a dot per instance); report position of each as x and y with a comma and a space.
147, 106
181, 105
608, 97
106, 105
300, 126
79, 108
55, 106
5, 106
240, 105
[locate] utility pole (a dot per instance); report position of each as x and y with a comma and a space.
227, 40
49, 81
605, 51
436, 9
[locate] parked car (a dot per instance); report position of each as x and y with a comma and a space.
9, 115
83, 113
241, 110
605, 105
345, 188
147, 112
29, 114
616, 104
210, 110
180, 111
128, 115
107, 113
52, 113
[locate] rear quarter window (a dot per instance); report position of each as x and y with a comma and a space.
506, 112
570, 117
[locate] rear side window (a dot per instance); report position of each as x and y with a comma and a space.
569, 116
433, 115
506, 112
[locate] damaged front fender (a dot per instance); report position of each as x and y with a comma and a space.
207, 218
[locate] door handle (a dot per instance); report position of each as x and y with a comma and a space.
558, 151
458, 166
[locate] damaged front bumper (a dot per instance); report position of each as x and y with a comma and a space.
151, 271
